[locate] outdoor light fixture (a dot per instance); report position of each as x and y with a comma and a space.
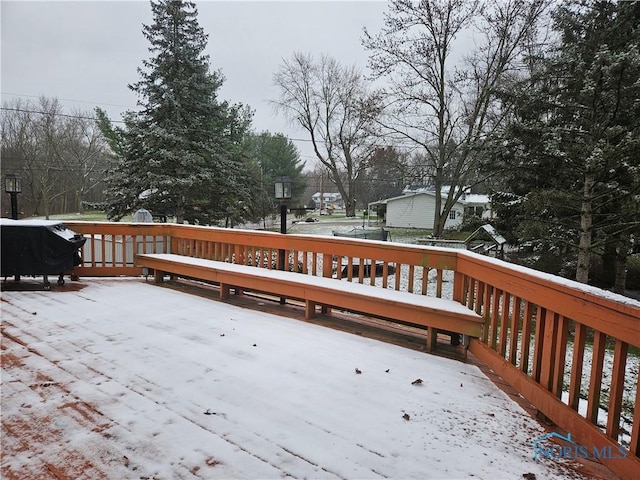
283, 193
283, 188
13, 186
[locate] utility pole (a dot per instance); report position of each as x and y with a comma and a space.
321, 190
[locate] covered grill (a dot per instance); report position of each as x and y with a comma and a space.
38, 247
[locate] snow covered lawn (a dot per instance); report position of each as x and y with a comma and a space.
123, 379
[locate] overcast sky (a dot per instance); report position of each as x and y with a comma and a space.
86, 53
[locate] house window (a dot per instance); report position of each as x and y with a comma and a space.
477, 211
452, 215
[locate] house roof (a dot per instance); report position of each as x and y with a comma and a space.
465, 199
476, 198
415, 194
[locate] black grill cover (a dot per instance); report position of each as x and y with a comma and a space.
38, 247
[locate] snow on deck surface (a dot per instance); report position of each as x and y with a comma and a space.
124, 379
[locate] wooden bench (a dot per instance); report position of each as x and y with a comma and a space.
433, 313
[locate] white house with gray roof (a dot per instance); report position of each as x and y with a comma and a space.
415, 208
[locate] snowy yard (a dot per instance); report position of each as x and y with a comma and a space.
123, 379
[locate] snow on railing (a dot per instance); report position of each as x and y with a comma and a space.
567, 347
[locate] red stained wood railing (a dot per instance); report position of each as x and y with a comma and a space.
564, 346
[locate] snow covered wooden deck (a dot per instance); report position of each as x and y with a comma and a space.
117, 378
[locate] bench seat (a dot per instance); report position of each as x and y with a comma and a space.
433, 313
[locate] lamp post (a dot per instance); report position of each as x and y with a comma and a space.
13, 186
282, 193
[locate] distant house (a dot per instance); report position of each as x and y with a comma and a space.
416, 207
329, 200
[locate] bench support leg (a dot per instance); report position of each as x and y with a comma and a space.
465, 343
309, 310
432, 338
224, 291
158, 276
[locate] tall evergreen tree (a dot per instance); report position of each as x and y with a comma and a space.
572, 157
273, 155
182, 153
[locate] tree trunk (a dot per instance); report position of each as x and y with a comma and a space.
438, 226
438, 223
622, 251
584, 250
350, 210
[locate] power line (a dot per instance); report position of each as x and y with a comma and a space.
66, 115
59, 114
69, 100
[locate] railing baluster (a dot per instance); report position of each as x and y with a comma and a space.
495, 311
103, 250
471, 288
114, 241
327, 265
373, 271
411, 274
385, 275
595, 379
315, 264
577, 362
480, 298
617, 388
514, 328
549, 347
538, 340
93, 250
560, 340
504, 323
525, 341
125, 244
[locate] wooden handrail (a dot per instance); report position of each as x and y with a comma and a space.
611, 314
538, 327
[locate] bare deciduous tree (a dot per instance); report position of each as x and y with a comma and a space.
439, 100
332, 104
60, 157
